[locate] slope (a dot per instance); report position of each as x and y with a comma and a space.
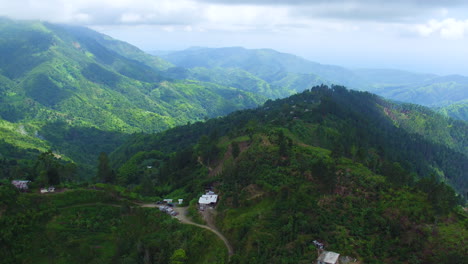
327, 164
286, 73
75, 79
457, 110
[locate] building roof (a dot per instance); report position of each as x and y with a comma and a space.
20, 184
208, 199
328, 257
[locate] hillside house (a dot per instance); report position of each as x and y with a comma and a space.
328, 257
210, 198
22, 185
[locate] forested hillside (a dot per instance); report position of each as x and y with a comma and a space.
79, 93
329, 164
95, 226
286, 74
457, 110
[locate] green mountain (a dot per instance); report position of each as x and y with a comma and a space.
286, 74
71, 87
358, 173
282, 71
434, 92
457, 111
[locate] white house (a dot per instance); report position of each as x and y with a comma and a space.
207, 199
328, 257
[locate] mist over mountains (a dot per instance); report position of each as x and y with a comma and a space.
283, 71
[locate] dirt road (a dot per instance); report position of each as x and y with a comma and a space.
182, 216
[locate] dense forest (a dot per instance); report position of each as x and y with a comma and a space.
357, 124
329, 164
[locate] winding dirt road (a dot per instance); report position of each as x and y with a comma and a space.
182, 217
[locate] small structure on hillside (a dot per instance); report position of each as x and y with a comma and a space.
51, 189
181, 201
20, 184
328, 257
210, 198
318, 244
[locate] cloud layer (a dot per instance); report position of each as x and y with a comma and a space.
353, 30
448, 28
194, 12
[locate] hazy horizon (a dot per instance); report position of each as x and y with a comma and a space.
413, 35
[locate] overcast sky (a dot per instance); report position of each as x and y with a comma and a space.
417, 35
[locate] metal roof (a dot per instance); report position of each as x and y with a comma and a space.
329, 257
207, 199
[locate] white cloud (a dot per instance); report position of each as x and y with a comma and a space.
449, 28
224, 12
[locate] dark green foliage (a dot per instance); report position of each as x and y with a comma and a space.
441, 196
41, 89
21, 48
358, 125
80, 93
235, 151
105, 173
47, 169
98, 74
329, 164
92, 226
82, 144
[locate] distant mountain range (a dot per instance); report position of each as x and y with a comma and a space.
285, 74
78, 92
56, 77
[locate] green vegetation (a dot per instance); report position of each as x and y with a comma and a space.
80, 93
457, 111
94, 227
379, 181
286, 73
333, 165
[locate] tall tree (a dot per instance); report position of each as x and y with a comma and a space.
105, 173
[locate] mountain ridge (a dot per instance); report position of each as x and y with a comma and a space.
78, 78
420, 88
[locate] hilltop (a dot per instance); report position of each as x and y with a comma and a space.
347, 168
